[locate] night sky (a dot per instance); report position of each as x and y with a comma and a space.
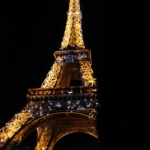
115, 32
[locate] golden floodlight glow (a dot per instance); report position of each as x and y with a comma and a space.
87, 72
52, 75
73, 32
45, 134
59, 107
13, 126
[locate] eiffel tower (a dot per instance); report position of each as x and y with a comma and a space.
66, 102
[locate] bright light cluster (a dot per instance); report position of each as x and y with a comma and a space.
87, 72
52, 75
69, 106
73, 32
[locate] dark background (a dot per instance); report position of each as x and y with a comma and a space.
115, 32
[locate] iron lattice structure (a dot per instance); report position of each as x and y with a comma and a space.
58, 108
73, 32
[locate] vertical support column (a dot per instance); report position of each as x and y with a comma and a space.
44, 136
87, 73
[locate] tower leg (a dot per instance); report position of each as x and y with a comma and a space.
44, 136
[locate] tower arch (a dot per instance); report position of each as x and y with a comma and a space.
57, 108
53, 127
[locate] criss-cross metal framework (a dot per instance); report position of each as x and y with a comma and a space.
58, 108
73, 33
55, 113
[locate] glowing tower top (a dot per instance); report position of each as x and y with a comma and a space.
73, 33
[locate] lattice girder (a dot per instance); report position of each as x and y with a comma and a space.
65, 123
87, 73
44, 136
45, 101
52, 75
73, 32
57, 109
15, 124
64, 58
67, 126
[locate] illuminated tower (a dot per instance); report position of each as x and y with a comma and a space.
66, 102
